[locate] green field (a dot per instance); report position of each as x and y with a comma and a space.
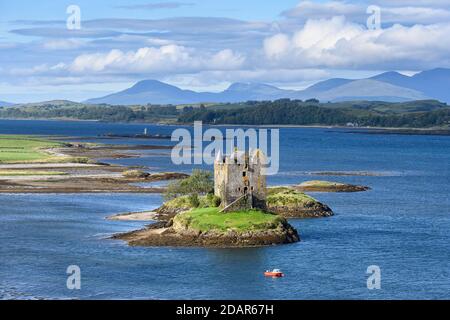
17, 149
209, 219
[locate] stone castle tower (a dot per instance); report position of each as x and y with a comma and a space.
239, 180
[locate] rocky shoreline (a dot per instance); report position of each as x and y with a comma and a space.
89, 176
315, 210
327, 186
291, 203
170, 234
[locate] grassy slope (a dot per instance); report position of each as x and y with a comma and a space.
320, 183
284, 196
209, 219
183, 202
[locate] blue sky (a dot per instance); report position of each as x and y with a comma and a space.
207, 45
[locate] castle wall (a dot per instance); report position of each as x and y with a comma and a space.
233, 179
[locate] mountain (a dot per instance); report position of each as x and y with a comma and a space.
389, 86
369, 89
157, 92
433, 83
150, 91
6, 104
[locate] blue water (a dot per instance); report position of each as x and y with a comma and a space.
402, 225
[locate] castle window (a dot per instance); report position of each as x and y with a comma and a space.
239, 189
252, 188
244, 174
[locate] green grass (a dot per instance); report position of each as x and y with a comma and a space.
180, 202
285, 196
183, 202
210, 219
320, 183
27, 149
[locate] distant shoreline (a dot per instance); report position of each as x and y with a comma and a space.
355, 130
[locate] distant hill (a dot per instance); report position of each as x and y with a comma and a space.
50, 104
412, 114
388, 86
433, 83
369, 89
150, 91
6, 104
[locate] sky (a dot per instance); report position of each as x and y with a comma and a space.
205, 45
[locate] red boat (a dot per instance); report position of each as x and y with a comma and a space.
275, 273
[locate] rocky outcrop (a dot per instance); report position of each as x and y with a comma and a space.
171, 234
327, 186
167, 212
290, 203
309, 210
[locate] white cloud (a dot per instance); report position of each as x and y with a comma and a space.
338, 43
63, 44
315, 10
276, 45
144, 61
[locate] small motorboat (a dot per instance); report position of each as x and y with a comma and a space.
275, 273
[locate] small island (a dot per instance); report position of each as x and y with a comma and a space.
291, 203
328, 186
232, 211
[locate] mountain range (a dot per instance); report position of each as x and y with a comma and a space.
389, 86
5, 104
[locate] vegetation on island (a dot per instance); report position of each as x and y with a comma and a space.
286, 196
329, 186
194, 207
412, 114
187, 203
135, 174
291, 203
211, 219
199, 183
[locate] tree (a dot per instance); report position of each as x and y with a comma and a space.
199, 183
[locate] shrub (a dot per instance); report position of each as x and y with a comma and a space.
194, 201
200, 183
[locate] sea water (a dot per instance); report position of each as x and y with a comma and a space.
401, 225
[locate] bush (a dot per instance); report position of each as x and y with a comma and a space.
194, 201
200, 183
213, 200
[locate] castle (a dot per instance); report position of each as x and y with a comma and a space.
239, 180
